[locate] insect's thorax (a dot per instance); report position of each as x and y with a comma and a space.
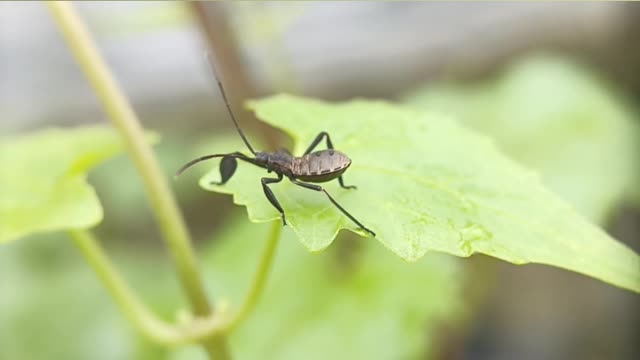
279, 162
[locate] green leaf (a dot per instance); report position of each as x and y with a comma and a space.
426, 184
337, 305
557, 118
43, 179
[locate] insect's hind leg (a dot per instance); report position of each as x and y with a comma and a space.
320, 188
271, 197
342, 185
315, 143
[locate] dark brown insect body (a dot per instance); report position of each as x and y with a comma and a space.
316, 167
312, 167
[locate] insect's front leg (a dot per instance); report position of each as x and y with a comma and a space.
271, 197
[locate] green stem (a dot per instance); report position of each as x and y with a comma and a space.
124, 119
142, 318
146, 322
260, 279
136, 311
218, 326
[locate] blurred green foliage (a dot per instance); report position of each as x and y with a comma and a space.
43, 179
337, 305
53, 307
426, 183
334, 305
556, 117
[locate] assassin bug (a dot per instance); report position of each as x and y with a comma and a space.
312, 167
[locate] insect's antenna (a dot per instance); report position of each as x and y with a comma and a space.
206, 157
226, 102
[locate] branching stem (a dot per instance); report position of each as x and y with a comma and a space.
161, 198
146, 321
206, 328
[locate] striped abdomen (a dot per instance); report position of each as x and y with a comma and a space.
320, 166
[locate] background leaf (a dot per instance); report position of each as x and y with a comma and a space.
427, 184
556, 117
43, 179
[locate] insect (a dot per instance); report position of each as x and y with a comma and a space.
312, 167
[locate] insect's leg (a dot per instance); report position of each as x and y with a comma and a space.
315, 143
342, 185
320, 188
228, 167
271, 197
317, 140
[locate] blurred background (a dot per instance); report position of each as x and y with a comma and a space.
556, 85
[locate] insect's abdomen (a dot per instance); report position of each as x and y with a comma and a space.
320, 166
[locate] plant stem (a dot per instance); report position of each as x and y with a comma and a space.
162, 201
151, 326
218, 326
124, 119
260, 278
141, 317
136, 311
